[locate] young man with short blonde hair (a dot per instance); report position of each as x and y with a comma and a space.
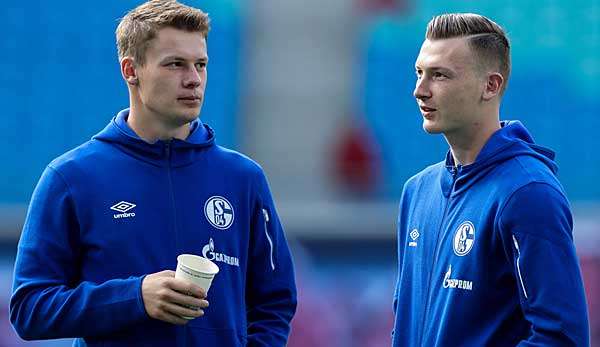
108, 219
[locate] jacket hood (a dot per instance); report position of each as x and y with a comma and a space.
173, 152
511, 140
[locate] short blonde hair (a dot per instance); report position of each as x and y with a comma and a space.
140, 25
486, 38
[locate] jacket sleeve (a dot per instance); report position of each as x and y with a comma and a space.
270, 287
536, 227
48, 298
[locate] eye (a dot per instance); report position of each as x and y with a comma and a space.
201, 65
173, 64
438, 75
419, 73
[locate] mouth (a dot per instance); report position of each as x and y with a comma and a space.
190, 97
190, 100
427, 111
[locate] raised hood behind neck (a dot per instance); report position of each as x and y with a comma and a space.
511, 140
182, 152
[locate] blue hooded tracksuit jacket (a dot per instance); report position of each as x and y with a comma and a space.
117, 208
485, 252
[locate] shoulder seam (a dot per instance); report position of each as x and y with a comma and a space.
511, 196
70, 192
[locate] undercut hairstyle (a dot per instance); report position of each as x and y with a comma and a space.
141, 25
485, 38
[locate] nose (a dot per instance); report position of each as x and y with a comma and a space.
192, 79
422, 90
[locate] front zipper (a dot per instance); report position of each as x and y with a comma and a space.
180, 337
519, 266
172, 195
266, 215
436, 251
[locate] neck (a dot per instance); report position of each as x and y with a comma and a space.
466, 145
149, 127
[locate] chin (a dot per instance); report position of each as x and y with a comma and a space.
430, 128
189, 115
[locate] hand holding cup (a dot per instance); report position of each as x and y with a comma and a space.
164, 300
197, 270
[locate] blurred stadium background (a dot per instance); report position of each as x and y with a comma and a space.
320, 94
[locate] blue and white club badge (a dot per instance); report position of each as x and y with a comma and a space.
464, 238
219, 212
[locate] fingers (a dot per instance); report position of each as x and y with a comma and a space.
170, 299
187, 287
182, 311
187, 300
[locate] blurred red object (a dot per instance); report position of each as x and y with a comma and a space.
357, 163
590, 268
377, 6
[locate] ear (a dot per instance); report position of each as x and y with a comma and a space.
128, 71
493, 86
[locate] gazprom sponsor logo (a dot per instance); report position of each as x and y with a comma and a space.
123, 207
208, 252
454, 283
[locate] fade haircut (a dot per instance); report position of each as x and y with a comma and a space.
141, 25
485, 38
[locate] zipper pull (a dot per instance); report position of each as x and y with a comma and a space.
168, 150
266, 215
453, 171
519, 267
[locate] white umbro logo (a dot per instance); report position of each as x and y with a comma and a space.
414, 235
123, 207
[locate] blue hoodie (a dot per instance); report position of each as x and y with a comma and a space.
117, 208
485, 252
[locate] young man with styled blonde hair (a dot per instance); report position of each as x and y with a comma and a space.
485, 245
108, 219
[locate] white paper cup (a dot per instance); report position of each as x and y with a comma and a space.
197, 270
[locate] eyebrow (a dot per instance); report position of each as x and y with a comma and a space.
180, 58
433, 68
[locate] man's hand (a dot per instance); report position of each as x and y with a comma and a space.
167, 298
